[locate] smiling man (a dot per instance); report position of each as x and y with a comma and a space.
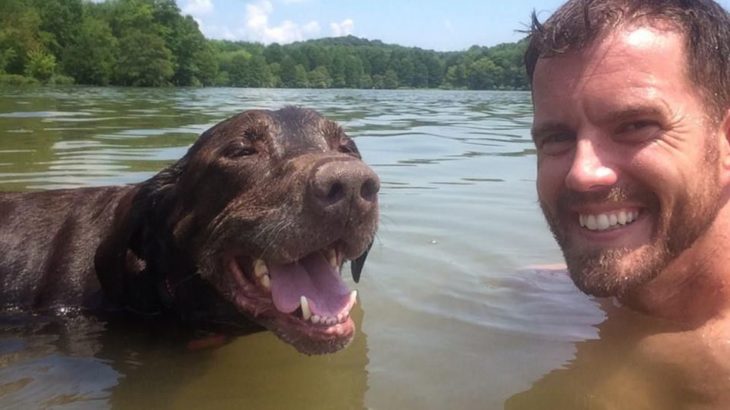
632, 127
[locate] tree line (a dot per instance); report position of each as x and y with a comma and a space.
150, 43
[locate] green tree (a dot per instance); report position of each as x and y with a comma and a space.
192, 54
353, 71
236, 65
91, 59
274, 53
41, 65
435, 68
19, 33
403, 66
420, 75
483, 74
337, 68
300, 76
60, 23
144, 60
456, 76
390, 79
288, 74
320, 78
129, 15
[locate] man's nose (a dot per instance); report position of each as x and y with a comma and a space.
590, 170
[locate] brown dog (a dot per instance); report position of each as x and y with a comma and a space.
252, 224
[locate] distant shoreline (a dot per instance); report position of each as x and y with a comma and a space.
150, 43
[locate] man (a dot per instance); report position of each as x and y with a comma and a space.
632, 129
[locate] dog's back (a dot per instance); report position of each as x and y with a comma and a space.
47, 245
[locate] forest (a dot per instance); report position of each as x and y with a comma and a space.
150, 43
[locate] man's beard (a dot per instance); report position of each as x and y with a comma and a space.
618, 271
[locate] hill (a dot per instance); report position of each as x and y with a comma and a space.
150, 43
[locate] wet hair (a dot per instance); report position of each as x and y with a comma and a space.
704, 24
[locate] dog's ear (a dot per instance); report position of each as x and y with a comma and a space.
114, 260
123, 257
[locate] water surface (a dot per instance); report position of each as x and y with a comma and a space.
449, 316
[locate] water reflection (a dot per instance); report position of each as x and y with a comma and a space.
637, 362
84, 362
452, 321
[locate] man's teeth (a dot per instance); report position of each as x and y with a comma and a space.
602, 222
327, 320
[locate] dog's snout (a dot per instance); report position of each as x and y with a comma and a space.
344, 184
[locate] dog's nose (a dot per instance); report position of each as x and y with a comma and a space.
345, 185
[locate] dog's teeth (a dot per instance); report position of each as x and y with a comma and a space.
332, 257
306, 313
265, 281
259, 268
327, 320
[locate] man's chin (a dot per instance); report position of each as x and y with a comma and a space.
614, 272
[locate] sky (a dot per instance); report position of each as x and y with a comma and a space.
442, 25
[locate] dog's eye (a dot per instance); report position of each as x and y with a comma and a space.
238, 149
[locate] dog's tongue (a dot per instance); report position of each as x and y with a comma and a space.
312, 277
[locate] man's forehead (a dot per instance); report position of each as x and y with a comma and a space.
627, 44
630, 60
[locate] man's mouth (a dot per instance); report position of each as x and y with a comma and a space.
607, 220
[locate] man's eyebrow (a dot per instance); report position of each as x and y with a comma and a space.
634, 112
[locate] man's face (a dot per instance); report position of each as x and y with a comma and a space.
628, 168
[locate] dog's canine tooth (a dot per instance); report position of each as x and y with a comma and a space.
332, 258
306, 313
265, 281
259, 268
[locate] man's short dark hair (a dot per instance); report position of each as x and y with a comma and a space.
704, 24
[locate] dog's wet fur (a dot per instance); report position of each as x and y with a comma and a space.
259, 215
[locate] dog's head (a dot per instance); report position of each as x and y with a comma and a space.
266, 207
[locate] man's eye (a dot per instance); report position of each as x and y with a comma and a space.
555, 144
635, 125
638, 131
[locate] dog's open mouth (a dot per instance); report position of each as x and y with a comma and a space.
305, 299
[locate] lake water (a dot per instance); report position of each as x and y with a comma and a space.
449, 315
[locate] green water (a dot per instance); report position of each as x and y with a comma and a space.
448, 316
